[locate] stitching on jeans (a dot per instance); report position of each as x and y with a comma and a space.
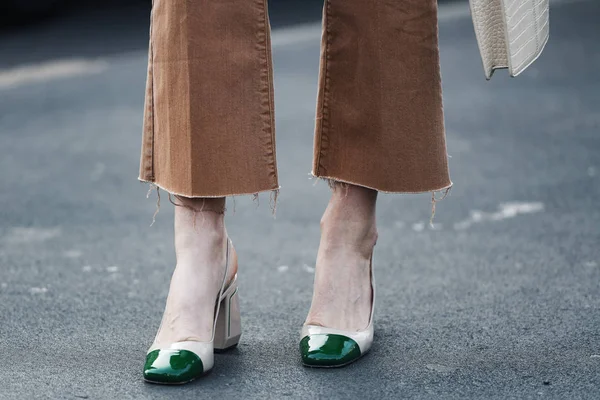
267, 116
152, 108
325, 106
191, 137
269, 66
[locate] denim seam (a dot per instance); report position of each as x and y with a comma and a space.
191, 177
324, 126
151, 138
266, 84
268, 50
437, 72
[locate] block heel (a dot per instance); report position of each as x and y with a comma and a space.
228, 329
183, 362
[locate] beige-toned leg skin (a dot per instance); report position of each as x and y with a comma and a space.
342, 291
200, 246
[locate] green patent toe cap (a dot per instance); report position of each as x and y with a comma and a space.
327, 350
171, 366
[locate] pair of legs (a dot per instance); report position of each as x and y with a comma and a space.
342, 296
209, 133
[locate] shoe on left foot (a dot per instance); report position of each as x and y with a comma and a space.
329, 348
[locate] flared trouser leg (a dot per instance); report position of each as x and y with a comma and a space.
379, 119
209, 115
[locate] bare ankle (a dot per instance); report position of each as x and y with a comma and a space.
202, 204
199, 228
349, 219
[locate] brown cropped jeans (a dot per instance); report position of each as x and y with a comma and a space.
209, 116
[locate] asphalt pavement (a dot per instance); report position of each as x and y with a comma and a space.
499, 300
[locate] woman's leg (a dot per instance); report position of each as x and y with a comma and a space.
379, 128
342, 294
200, 240
208, 133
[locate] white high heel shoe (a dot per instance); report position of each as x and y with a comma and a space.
182, 362
328, 348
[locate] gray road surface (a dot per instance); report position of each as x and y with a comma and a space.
500, 301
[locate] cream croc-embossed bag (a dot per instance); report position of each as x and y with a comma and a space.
510, 33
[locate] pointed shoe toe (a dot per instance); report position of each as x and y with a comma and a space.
172, 366
328, 350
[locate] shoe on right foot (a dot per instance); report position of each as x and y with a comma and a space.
185, 361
